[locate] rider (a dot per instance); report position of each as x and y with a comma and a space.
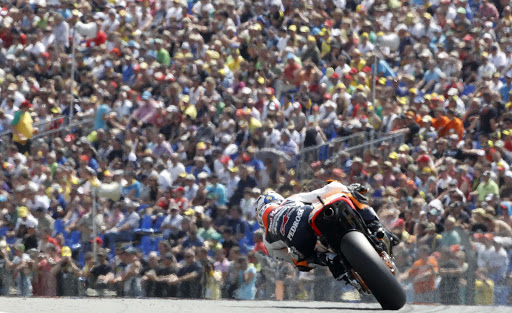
288, 234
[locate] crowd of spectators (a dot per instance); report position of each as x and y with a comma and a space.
183, 96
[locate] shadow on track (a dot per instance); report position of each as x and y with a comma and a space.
342, 308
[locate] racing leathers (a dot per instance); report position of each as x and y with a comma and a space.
288, 233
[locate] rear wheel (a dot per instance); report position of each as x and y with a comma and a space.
372, 270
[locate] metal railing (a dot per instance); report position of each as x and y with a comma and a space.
39, 125
355, 145
85, 125
392, 140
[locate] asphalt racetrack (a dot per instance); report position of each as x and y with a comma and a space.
110, 305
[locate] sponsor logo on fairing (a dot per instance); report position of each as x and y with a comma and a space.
295, 224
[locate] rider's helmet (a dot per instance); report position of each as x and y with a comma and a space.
263, 201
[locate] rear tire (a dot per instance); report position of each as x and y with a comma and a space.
376, 275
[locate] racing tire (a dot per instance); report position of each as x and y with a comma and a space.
363, 258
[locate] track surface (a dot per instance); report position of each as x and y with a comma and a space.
109, 305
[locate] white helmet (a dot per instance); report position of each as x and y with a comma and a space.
263, 201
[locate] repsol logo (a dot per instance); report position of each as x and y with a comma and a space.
295, 224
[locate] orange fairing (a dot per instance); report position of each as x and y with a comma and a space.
320, 207
358, 204
301, 263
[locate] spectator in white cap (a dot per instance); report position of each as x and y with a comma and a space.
329, 114
111, 23
229, 148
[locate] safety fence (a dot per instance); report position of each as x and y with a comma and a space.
55, 127
40, 126
355, 145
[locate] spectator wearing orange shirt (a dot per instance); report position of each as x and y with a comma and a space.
454, 125
423, 273
439, 121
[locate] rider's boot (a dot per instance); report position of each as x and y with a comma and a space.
330, 260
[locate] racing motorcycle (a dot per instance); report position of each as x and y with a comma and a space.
364, 258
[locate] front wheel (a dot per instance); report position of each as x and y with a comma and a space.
363, 258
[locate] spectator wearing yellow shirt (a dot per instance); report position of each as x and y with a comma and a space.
21, 127
235, 59
357, 62
187, 108
484, 288
249, 121
326, 42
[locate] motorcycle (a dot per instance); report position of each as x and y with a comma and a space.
364, 257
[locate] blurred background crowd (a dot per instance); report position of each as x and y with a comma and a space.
136, 136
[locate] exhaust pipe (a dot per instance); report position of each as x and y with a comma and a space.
329, 212
380, 234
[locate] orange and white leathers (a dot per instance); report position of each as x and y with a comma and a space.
279, 250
